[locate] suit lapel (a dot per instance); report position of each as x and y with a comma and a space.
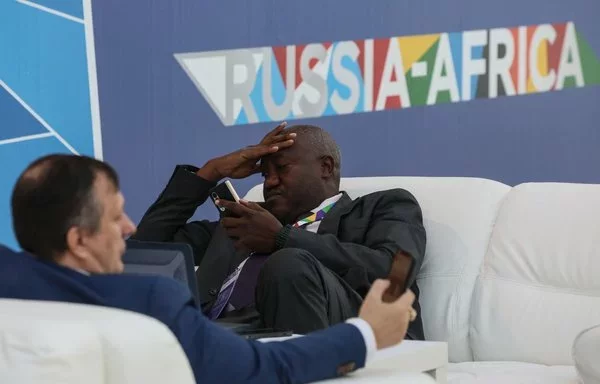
331, 222
217, 263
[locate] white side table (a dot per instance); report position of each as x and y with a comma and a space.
409, 362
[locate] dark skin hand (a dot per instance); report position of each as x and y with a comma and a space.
245, 162
253, 227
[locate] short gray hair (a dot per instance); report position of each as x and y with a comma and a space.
322, 144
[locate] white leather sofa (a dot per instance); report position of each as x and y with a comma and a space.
51, 343
511, 275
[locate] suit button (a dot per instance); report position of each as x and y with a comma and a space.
212, 292
346, 368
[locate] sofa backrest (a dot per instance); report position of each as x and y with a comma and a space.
540, 281
45, 342
459, 214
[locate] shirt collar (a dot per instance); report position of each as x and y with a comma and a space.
326, 202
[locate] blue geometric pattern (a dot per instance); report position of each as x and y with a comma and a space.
44, 89
15, 120
70, 7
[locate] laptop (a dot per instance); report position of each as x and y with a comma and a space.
176, 260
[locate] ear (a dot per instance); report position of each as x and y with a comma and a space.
327, 166
75, 242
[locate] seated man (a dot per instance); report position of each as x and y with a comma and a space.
325, 249
68, 217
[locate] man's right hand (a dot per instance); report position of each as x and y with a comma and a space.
244, 162
389, 321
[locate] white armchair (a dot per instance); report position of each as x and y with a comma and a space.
49, 342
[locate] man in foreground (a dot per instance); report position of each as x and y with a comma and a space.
68, 217
312, 252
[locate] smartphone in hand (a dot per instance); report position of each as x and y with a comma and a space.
402, 276
224, 191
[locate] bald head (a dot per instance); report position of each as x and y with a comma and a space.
320, 143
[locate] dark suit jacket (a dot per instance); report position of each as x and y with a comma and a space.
216, 355
356, 240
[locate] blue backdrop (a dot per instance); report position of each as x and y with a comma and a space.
155, 116
150, 104
47, 81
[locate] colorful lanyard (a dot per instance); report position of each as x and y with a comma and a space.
315, 216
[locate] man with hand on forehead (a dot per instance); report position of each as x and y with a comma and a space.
306, 257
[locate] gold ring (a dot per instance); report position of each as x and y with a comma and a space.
413, 314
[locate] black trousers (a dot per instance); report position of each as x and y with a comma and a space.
296, 292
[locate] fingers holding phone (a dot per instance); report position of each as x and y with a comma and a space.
224, 191
249, 224
388, 305
388, 320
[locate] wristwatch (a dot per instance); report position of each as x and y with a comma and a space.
282, 236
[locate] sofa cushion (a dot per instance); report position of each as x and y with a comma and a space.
52, 342
43, 351
510, 372
458, 216
539, 284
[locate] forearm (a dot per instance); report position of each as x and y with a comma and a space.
175, 205
316, 356
335, 351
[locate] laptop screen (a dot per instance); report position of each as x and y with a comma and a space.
164, 259
156, 262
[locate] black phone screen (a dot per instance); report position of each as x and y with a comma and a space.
222, 192
402, 276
